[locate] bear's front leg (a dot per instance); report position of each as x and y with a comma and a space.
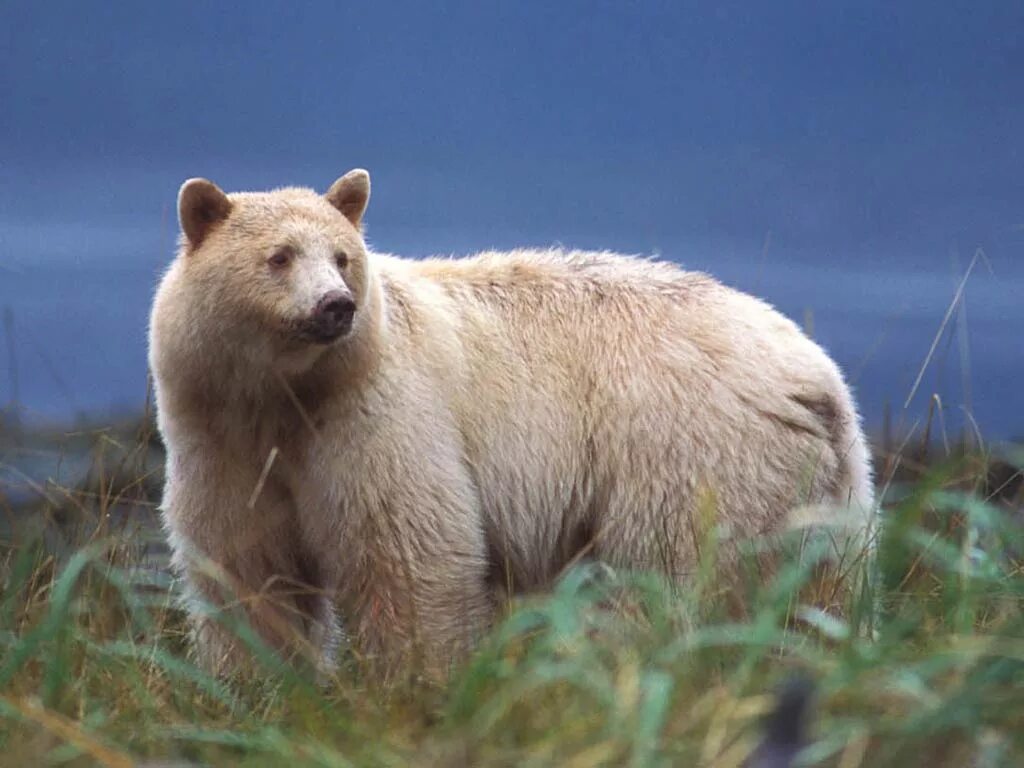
235, 542
415, 590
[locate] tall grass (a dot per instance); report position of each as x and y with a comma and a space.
611, 669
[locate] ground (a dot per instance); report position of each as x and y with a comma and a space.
616, 670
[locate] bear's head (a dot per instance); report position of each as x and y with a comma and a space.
282, 274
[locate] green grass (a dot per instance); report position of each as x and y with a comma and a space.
615, 671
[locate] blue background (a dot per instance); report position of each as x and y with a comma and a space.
840, 159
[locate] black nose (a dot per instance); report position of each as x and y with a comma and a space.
335, 310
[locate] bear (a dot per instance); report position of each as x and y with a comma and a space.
390, 445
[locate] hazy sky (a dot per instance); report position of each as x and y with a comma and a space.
872, 140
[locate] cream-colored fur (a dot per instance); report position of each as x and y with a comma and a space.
485, 421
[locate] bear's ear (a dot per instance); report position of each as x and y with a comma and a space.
350, 194
201, 205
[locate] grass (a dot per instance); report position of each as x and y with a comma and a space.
621, 670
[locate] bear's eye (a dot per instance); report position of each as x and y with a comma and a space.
281, 257
341, 258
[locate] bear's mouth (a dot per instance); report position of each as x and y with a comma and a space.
313, 331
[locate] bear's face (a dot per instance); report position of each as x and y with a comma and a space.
286, 270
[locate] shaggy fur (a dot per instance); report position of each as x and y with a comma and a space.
485, 421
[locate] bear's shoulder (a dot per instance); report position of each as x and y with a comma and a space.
559, 269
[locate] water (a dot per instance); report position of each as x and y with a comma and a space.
874, 147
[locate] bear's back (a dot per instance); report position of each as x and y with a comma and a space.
529, 275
